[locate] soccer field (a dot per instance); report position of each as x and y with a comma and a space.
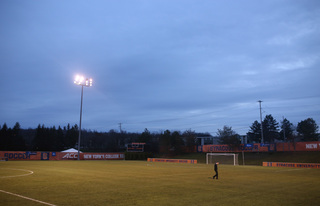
145, 183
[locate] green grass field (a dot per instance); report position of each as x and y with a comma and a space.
253, 158
145, 183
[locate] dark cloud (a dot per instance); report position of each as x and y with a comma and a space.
159, 64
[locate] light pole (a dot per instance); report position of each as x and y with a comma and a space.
80, 80
262, 141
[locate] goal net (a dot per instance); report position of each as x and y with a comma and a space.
222, 158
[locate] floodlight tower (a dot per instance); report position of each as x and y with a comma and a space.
262, 141
83, 82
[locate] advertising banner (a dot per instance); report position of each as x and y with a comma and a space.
103, 156
243, 147
69, 155
291, 165
257, 147
298, 146
172, 160
19, 155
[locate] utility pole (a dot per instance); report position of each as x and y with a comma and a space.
261, 122
284, 129
120, 127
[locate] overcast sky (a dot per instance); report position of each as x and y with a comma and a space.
159, 64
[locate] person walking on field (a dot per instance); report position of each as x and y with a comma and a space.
216, 170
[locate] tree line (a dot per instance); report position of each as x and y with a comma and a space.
306, 130
167, 142
57, 139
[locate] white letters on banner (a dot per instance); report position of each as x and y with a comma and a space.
70, 156
311, 146
74, 155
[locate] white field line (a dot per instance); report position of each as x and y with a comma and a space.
28, 198
29, 173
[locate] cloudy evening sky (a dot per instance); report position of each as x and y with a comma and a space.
159, 64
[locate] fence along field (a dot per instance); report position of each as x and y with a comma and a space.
154, 183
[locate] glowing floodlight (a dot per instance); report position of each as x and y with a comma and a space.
80, 80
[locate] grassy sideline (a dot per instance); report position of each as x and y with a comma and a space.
257, 158
144, 183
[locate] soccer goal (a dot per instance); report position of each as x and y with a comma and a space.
222, 158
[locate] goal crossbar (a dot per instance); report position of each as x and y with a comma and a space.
231, 155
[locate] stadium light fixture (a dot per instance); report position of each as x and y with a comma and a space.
83, 82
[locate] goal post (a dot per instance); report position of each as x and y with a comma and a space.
222, 158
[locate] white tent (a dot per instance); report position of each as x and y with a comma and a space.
71, 150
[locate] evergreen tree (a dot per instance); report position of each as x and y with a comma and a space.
52, 139
41, 140
71, 137
270, 129
254, 134
307, 129
190, 139
4, 140
59, 139
286, 133
165, 143
177, 142
18, 143
145, 136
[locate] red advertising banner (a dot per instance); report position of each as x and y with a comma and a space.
291, 165
242, 147
19, 155
69, 155
277, 147
172, 160
298, 146
103, 156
